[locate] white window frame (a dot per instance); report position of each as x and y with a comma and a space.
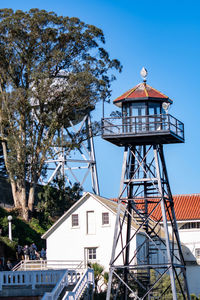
93, 253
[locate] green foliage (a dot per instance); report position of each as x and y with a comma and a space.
8, 246
22, 231
163, 287
55, 198
27, 233
52, 69
100, 278
35, 224
98, 271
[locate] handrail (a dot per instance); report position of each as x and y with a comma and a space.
64, 281
83, 283
17, 266
26, 265
142, 124
25, 278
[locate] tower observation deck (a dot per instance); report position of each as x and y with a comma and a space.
144, 253
144, 120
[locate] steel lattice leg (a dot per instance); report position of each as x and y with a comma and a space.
144, 254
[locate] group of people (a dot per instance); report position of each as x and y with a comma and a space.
30, 253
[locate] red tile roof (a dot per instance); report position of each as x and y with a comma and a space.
187, 207
141, 91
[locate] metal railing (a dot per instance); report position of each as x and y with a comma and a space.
142, 125
84, 282
30, 278
30, 265
68, 278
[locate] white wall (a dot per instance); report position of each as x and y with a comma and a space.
68, 243
190, 238
193, 277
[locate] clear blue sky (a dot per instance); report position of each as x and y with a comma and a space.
164, 37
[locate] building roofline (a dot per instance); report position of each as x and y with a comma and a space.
85, 196
63, 217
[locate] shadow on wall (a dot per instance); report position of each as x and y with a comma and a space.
189, 257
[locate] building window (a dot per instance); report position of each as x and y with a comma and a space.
197, 253
92, 253
91, 226
191, 225
105, 218
75, 220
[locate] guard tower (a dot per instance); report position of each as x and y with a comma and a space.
146, 247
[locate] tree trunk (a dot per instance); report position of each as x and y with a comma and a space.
16, 199
25, 214
19, 197
31, 197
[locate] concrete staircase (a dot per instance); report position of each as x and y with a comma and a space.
66, 284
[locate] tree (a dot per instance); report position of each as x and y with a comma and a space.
55, 198
100, 278
52, 68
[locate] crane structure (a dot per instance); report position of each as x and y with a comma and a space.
146, 246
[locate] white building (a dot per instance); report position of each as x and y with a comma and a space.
85, 232
187, 209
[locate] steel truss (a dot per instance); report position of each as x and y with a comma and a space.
74, 164
140, 263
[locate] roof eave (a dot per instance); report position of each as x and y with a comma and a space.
120, 101
63, 217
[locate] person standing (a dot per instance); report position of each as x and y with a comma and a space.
26, 252
43, 254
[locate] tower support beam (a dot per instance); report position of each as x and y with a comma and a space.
144, 252
146, 247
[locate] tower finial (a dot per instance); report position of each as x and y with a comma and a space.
144, 74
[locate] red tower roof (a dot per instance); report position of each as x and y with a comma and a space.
142, 91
